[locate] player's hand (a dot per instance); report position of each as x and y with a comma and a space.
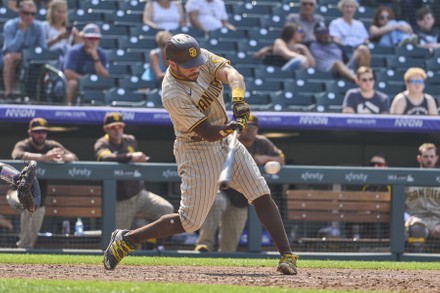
241, 110
242, 123
229, 128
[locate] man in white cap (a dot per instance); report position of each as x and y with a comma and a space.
85, 58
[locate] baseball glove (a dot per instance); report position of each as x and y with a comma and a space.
24, 181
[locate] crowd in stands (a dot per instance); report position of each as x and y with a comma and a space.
331, 39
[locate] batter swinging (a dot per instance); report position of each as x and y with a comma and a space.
192, 93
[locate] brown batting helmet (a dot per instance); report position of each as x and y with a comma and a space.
185, 51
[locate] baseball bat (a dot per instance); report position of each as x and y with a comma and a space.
226, 173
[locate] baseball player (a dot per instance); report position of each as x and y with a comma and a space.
192, 93
25, 193
423, 204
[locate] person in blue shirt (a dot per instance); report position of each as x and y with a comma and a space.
20, 33
84, 58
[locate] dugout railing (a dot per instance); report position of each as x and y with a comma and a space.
106, 174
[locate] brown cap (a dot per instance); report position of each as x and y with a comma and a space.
38, 124
252, 120
113, 118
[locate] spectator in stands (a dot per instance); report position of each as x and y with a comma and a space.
351, 32
288, 46
84, 58
208, 15
365, 99
330, 57
158, 61
20, 33
413, 101
164, 14
306, 18
427, 33
423, 204
386, 31
59, 35
132, 198
38, 148
228, 214
287, 51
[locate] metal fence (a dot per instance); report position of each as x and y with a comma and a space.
306, 237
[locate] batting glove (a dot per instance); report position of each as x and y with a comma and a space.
241, 110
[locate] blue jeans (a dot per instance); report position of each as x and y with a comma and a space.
394, 37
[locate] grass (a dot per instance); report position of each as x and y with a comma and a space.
20, 285
188, 261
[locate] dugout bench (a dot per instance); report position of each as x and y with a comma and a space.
311, 208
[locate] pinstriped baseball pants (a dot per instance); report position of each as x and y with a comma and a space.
199, 166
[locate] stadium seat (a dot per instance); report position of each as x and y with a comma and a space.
411, 51
275, 21
241, 58
244, 21
196, 33
391, 89
299, 86
121, 17
92, 98
311, 74
109, 30
154, 99
251, 46
137, 69
126, 57
99, 6
119, 70
108, 43
402, 63
284, 9
263, 35
292, 101
135, 6
389, 75
339, 87
92, 82
259, 101
228, 35
135, 83
260, 85
136, 44
143, 31
274, 73
121, 97
329, 102
219, 46
252, 8
83, 17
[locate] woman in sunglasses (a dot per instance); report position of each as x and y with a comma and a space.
413, 101
386, 31
289, 47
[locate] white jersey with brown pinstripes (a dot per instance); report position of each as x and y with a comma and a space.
190, 102
200, 162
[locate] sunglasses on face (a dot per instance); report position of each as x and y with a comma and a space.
27, 13
300, 31
377, 164
116, 127
416, 81
384, 17
367, 79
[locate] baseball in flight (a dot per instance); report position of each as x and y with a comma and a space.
272, 167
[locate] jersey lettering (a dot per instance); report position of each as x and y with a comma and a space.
212, 92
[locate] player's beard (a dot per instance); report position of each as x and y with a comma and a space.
191, 76
38, 141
